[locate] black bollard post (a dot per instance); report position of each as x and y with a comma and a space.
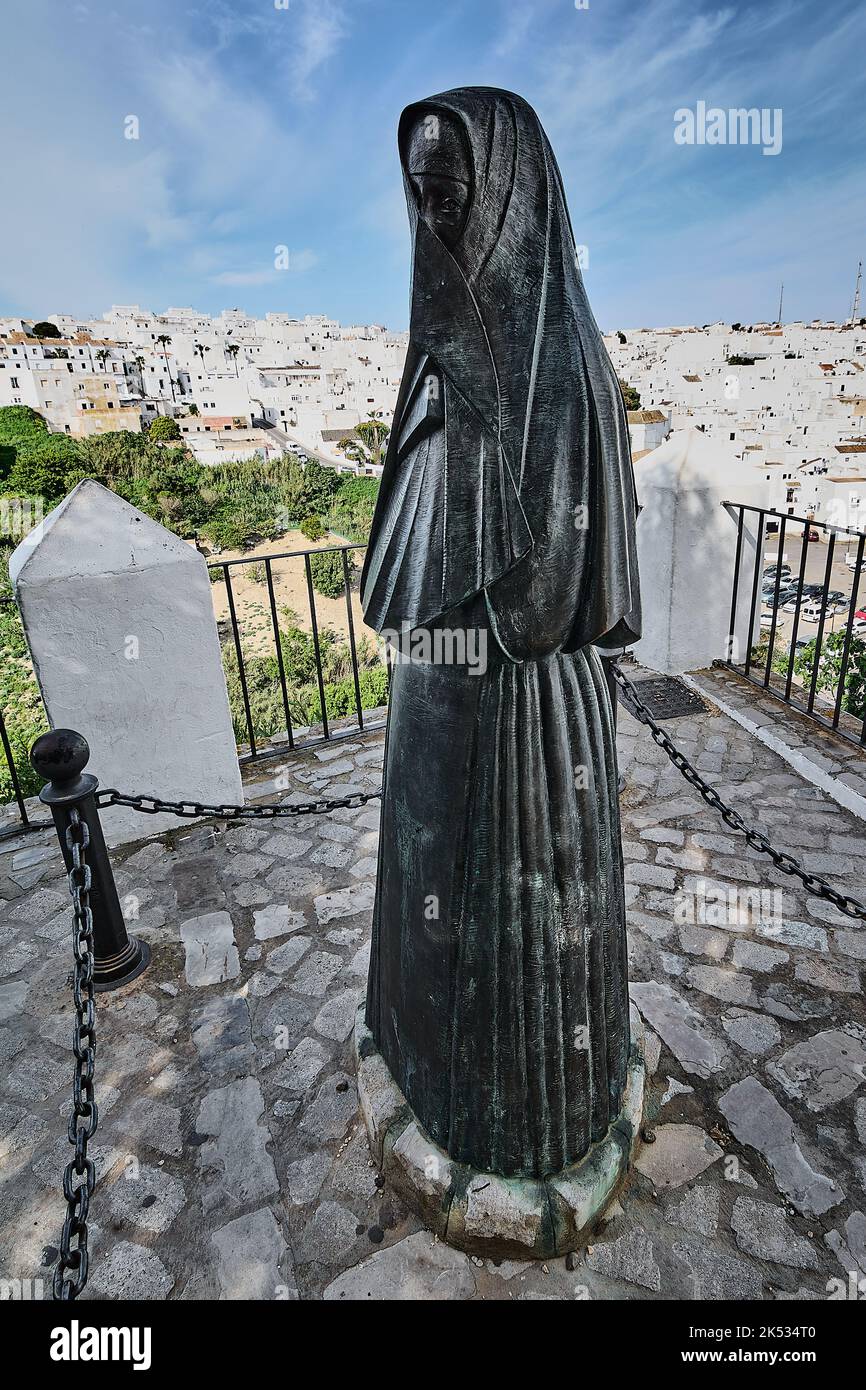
60, 756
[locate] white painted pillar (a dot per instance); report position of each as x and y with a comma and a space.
119, 619
687, 545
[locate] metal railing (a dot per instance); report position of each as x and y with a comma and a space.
258, 743
23, 820
809, 669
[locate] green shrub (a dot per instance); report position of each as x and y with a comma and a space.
326, 567
225, 531
312, 528
299, 664
19, 423
20, 702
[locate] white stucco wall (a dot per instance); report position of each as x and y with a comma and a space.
119, 619
686, 549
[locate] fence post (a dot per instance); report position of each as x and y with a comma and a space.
60, 756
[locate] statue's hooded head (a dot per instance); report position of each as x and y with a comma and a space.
536, 433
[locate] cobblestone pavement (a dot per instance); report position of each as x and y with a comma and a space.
231, 1156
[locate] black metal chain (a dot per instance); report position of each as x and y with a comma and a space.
813, 883
272, 810
79, 1178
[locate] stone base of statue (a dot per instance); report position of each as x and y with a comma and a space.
481, 1213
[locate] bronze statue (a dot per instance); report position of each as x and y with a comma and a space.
505, 529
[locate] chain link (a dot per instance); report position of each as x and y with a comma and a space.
79, 1178
813, 883
272, 810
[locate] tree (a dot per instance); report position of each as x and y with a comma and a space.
119, 453
19, 423
631, 397
201, 349
621, 335
232, 350
193, 409
102, 357
42, 467
320, 485
164, 341
164, 427
312, 528
368, 445
42, 329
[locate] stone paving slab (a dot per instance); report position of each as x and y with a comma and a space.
233, 1162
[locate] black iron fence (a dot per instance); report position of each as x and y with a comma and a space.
15, 773
806, 639
327, 721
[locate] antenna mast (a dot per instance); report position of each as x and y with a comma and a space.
781, 295
855, 307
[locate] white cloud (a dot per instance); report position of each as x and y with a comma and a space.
322, 27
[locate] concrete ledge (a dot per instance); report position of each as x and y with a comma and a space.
483, 1213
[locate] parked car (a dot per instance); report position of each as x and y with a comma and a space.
785, 581
812, 609
811, 612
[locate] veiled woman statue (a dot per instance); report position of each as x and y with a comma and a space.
497, 991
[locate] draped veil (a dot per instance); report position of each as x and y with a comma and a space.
535, 495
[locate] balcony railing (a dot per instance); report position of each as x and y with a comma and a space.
261, 744
806, 641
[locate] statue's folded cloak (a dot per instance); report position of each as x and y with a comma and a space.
532, 500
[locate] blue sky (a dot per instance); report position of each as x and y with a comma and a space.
262, 126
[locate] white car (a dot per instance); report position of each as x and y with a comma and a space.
811, 612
